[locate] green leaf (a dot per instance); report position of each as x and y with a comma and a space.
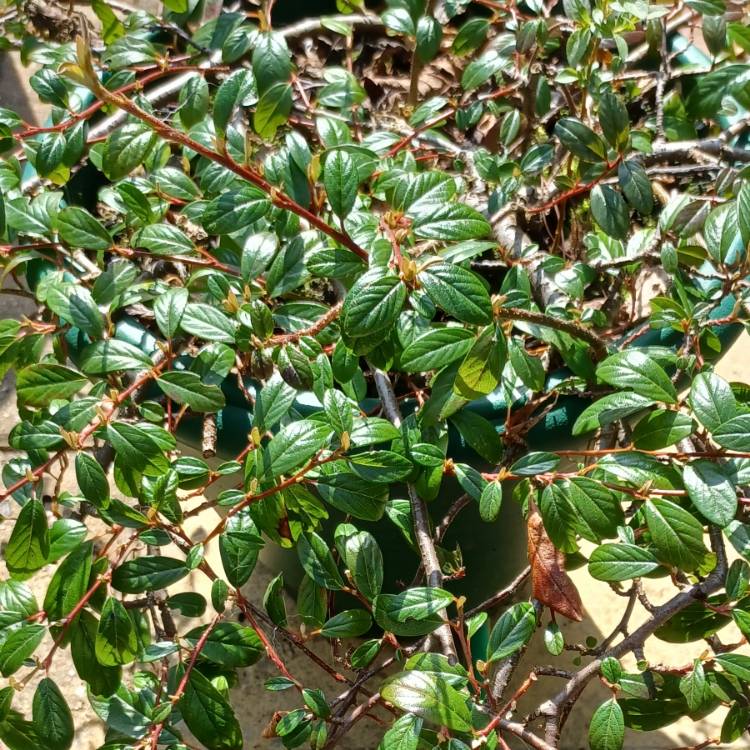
598, 509
79, 228
614, 120
148, 573
238, 546
351, 623
229, 644
208, 715
470, 36
273, 601
193, 101
479, 433
234, 210
721, 232
481, 69
127, 148
554, 640
19, 646
528, 368
712, 400
662, 428
364, 561
75, 305
234, 90
17, 603
169, 308
636, 186
417, 603
373, 303
340, 411
69, 583
49, 153
116, 638
490, 501
273, 110
560, 517
536, 462
711, 491
52, 718
317, 561
738, 717
383, 467
341, 181
607, 729
743, 208
113, 355
736, 664
295, 444
386, 611
512, 631
734, 434
429, 34
101, 680
636, 370
436, 348
271, 61
65, 535
693, 686
38, 385
28, 546
459, 292
188, 389
482, 367
610, 212
429, 696
208, 323
678, 536
608, 409
448, 221
621, 562
136, 448
163, 239
580, 140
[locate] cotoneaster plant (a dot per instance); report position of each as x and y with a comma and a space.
351, 231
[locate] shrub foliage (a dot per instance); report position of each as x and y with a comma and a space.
331, 243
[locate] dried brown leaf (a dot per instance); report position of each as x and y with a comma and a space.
550, 584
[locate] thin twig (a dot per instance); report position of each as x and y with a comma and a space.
420, 517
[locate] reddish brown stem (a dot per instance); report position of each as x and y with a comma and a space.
278, 198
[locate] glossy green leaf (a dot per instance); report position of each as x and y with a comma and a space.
208, 715
711, 491
430, 697
317, 561
512, 631
116, 639
678, 536
38, 385
52, 718
636, 370
607, 728
148, 573
187, 388
621, 562
459, 292
28, 546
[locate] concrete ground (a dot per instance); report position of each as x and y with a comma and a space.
255, 705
